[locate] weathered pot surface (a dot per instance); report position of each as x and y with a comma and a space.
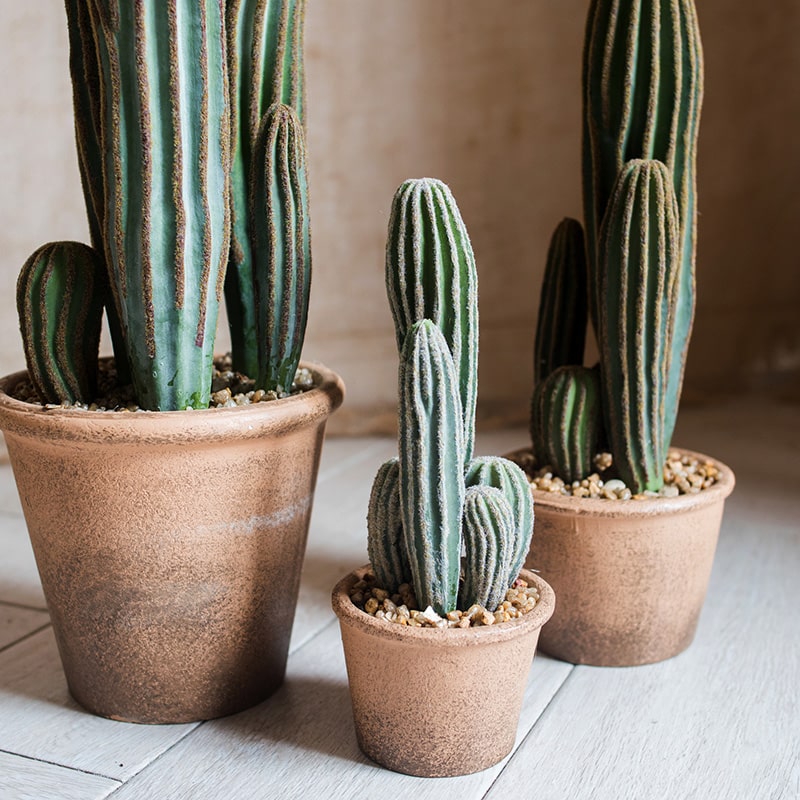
630, 575
169, 545
433, 702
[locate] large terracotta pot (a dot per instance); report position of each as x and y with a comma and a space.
437, 703
169, 545
630, 575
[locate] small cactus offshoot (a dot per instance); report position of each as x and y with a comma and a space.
60, 311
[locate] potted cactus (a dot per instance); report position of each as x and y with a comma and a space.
169, 541
630, 574
425, 506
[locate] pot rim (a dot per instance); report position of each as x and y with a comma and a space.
349, 614
586, 506
256, 420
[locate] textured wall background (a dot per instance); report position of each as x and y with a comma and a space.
485, 96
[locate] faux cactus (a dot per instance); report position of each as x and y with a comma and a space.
640, 265
265, 57
165, 135
385, 544
488, 530
571, 420
643, 87
430, 274
431, 465
642, 94
505, 476
282, 245
443, 496
60, 311
561, 325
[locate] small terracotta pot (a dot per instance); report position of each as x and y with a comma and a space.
169, 545
630, 575
437, 703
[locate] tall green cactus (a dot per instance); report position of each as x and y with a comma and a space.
488, 530
165, 134
385, 545
561, 325
640, 265
265, 57
571, 421
643, 86
430, 274
60, 311
281, 245
431, 462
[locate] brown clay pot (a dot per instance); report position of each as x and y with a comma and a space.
630, 575
437, 703
169, 545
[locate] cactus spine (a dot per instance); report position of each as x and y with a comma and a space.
511, 481
165, 134
431, 462
430, 274
643, 86
386, 548
488, 528
640, 265
60, 314
282, 245
265, 57
561, 326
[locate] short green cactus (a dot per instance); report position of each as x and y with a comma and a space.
445, 498
571, 420
265, 58
60, 315
640, 265
170, 151
561, 326
430, 274
281, 245
386, 547
488, 530
642, 93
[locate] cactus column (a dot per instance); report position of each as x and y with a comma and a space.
165, 135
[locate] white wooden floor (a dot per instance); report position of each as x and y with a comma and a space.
720, 721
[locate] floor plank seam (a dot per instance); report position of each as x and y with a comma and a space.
64, 766
22, 606
25, 637
333, 620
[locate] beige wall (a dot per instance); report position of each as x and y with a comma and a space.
486, 97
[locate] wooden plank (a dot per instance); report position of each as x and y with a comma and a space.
301, 743
16, 623
723, 718
41, 721
27, 779
19, 578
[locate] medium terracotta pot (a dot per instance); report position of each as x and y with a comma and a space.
630, 575
169, 545
437, 703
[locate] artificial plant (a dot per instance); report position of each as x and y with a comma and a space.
435, 499
190, 158
642, 93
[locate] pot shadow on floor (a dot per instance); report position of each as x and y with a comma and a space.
306, 713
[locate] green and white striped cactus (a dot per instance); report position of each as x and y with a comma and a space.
430, 274
281, 245
435, 497
60, 315
172, 153
642, 94
265, 58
